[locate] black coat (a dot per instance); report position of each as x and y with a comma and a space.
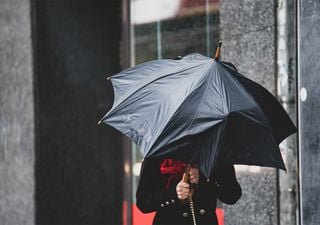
153, 196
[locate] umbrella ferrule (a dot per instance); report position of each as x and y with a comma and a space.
217, 55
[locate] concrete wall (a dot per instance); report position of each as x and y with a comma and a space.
16, 114
309, 109
248, 35
57, 166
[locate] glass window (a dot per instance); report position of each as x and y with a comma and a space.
167, 29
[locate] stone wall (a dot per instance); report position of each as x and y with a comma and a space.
16, 114
248, 35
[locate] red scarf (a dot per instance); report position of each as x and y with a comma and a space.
173, 168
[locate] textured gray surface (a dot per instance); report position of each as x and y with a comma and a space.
16, 114
247, 32
309, 67
258, 202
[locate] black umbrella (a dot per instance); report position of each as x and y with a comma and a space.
198, 109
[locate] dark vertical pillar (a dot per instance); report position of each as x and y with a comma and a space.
78, 163
309, 109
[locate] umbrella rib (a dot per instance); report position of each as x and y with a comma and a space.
204, 97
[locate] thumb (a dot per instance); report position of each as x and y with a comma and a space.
185, 177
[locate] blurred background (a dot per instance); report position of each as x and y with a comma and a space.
59, 167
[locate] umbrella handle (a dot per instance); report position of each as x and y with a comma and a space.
217, 55
186, 178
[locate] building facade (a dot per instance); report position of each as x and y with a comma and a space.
59, 167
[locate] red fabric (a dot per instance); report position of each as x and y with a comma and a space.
173, 168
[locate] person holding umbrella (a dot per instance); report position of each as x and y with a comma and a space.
180, 194
204, 113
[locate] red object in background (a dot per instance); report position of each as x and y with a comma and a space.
139, 218
124, 213
220, 216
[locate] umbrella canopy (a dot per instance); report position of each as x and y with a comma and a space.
198, 109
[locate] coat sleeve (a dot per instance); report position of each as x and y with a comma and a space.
228, 188
151, 194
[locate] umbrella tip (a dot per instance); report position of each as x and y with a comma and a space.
217, 55
99, 122
109, 77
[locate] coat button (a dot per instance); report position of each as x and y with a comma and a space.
167, 203
202, 211
172, 200
185, 214
162, 205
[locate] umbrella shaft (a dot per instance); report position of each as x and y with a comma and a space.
192, 211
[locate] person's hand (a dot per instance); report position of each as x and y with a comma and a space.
183, 188
194, 175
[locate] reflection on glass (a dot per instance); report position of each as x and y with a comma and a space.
169, 28
150, 11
